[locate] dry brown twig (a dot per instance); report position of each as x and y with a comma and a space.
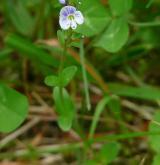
19, 132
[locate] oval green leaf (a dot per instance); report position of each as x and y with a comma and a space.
52, 81
96, 18
64, 107
120, 7
67, 75
13, 109
115, 36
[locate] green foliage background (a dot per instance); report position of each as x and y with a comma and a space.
121, 44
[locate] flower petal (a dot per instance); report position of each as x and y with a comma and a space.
65, 11
62, 1
64, 23
73, 24
79, 17
71, 9
69, 17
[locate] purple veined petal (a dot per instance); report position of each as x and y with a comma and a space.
64, 23
71, 9
66, 10
63, 12
73, 24
79, 17
62, 1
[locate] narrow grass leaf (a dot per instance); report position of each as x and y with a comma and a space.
32, 51
145, 93
99, 109
155, 126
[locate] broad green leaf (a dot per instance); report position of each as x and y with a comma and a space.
52, 81
120, 7
67, 75
145, 93
64, 107
96, 18
109, 152
153, 127
13, 109
115, 36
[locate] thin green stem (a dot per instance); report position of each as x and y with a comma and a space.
62, 59
66, 44
126, 136
145, 24
61, 65
87, 97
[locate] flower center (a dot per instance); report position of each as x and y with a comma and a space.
71, 17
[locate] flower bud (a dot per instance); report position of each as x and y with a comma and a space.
62, 1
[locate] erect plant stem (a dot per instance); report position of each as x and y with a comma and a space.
87, 97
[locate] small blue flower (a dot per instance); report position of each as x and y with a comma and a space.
70, 17
62, 1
